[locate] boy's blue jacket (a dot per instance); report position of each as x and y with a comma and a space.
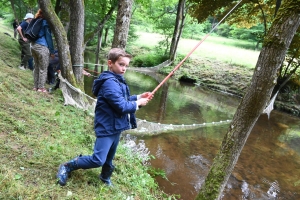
114, 105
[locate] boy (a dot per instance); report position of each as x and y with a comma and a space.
114, 113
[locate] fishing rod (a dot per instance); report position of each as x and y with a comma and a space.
188, 55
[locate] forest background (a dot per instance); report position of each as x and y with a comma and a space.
224, 62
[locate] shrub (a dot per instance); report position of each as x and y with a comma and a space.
148, 60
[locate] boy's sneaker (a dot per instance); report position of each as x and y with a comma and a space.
21, 67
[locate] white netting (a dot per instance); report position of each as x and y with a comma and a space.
270, 106
75, 97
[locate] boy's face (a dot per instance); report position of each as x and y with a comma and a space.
120, 66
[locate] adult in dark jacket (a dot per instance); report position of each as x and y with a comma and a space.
24, 42
114, 113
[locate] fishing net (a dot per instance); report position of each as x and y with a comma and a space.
75, 97
270, 106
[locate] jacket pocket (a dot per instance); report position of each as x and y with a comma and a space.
121, 122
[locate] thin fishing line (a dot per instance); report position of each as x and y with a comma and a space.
188, 55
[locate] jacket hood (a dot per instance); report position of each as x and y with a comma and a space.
102, 78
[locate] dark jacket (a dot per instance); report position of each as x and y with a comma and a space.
45, 37
114, 105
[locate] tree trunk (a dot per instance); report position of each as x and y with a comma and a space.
179, 23
65, 14
105, 35
12, 2
100, 26
255, 100
61, 40
76, 39
122, 23
98, 50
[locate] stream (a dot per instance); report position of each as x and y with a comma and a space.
268, 166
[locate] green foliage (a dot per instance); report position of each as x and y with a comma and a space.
157, 172
148, 60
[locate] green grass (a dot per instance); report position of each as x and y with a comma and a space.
213, 48
38, 133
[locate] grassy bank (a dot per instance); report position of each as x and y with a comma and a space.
214, 48
38, 133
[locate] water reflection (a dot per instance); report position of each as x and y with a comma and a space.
268, 167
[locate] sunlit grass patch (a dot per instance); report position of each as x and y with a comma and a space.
217, 48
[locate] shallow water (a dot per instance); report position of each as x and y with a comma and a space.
268, 167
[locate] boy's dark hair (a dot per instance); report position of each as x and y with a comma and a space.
115, 53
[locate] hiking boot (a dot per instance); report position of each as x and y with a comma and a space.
65, 170
21, 67
106, 174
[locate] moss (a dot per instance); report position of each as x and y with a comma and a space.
215, 178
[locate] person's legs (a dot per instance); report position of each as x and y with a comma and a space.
15, 33
108, 167
41, 61
30, 64
26, 52
22, 53
57, 84
104, 146
50, 75
36, 68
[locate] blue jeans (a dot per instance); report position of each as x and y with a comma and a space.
51, 75
104, 151
30, 64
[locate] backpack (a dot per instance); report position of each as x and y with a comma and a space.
33, 29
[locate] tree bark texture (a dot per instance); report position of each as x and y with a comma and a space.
179, 23
255, 100
65, 14
122, 24
61, 40
76, 39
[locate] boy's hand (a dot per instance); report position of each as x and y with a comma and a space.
147, 95
142, 101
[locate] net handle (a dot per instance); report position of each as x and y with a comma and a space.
188, 55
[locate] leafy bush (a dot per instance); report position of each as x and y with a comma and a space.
148, 60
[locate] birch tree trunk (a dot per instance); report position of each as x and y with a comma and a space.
255, 100
122, 24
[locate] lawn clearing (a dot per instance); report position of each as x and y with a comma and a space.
216, 48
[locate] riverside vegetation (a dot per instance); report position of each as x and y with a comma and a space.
38, 133
221, 64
